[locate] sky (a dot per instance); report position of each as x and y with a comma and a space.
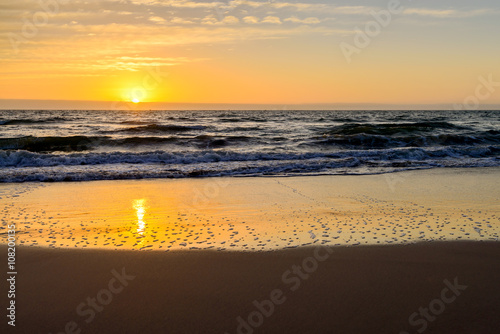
251, 52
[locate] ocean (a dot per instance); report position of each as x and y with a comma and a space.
64, 145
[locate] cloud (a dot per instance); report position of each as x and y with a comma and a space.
119, 26
351, 10
230, 20
251, 19
309, 20
271, 20
212, 20
276, 5
447, 13
157, 19
173, 3
180, 20
73, 65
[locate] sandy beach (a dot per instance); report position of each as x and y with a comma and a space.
365, 289
402, 253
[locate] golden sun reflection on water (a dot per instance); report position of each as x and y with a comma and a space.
140, 207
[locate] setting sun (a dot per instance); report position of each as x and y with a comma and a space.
135, 100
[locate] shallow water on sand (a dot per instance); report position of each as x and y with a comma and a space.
256, 214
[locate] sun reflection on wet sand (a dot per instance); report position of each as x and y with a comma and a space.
166, 215
139, 206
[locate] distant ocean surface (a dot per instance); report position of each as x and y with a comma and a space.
58, 145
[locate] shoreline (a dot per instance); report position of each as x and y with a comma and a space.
251, 176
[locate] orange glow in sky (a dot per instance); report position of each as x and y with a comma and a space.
265, 52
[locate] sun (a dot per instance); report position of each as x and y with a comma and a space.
136, 100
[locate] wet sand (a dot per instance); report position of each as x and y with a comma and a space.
257, 214
365, 289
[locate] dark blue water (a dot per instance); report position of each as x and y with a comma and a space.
43, 145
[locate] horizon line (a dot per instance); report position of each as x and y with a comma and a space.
27, 104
